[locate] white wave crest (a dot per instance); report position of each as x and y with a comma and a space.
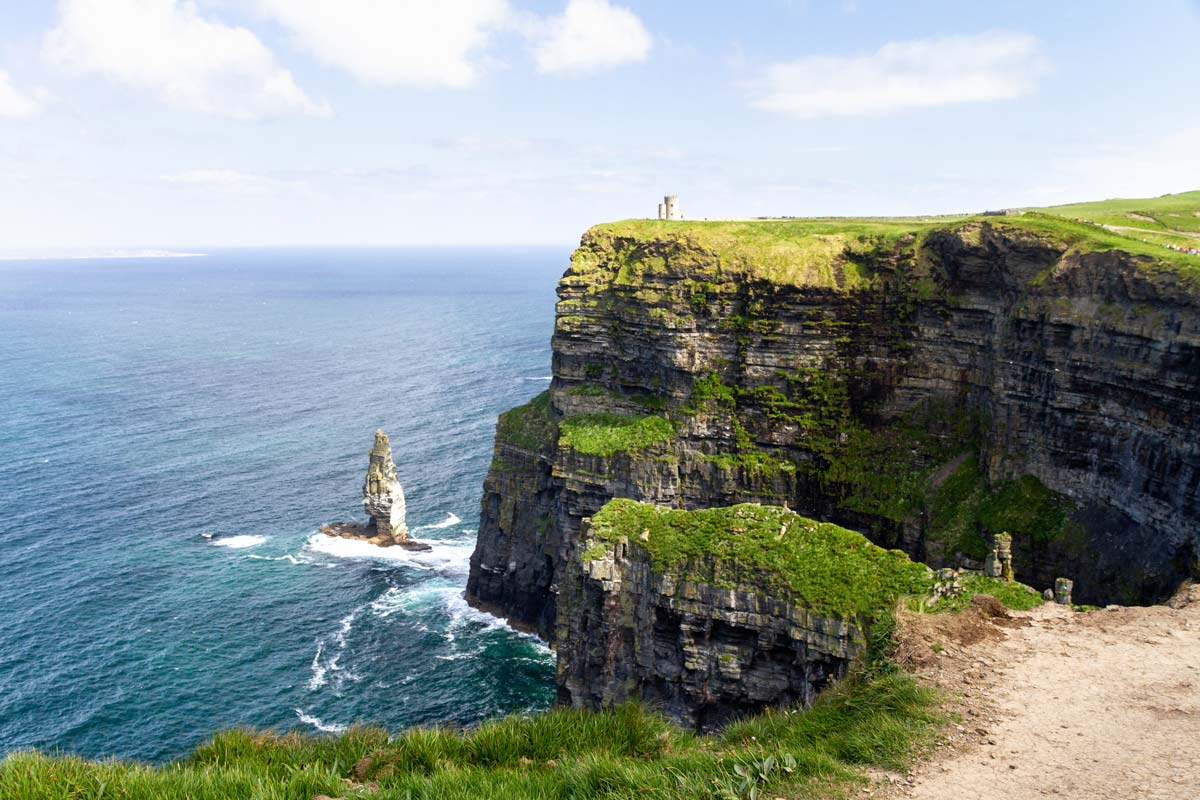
451, 519
542, 378
318, 669
239, 542
324, 727
289, 558
321, 666
445, 556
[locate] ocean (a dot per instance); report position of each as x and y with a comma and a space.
172, 433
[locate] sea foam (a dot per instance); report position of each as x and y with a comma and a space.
239, 542
324, 727
444, 556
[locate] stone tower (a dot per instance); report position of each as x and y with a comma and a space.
383, 497
669, 208
671, 202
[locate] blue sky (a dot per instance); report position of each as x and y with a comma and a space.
168, 123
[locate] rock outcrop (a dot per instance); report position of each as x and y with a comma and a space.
658, 605
383, 500
930, 386
383, 496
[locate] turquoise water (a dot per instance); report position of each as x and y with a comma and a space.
173, 432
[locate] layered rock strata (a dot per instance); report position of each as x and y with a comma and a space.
930, 386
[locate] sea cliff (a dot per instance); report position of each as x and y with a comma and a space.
927, 384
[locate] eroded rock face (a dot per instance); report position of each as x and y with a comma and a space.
980, 373
703, 655
383, 500
383, 497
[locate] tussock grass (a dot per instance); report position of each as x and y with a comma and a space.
624, 753
609, 434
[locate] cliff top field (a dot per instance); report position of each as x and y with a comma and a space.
1174, 216
838, 252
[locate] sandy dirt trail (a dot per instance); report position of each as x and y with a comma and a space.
1103, 704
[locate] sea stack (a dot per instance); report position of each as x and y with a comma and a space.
383, 496
383, 500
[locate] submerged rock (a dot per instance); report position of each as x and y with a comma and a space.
383, 500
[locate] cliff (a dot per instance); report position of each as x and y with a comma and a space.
927, 384
715, 613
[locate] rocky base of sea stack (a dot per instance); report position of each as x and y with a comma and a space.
371, 534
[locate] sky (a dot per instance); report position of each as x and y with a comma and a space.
206, 123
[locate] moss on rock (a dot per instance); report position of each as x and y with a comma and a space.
531, 426
832, 569
608, 434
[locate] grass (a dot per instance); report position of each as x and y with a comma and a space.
1013, 594
619, 754
1081, 237
531, 426
830, 253
841, 253
834, 570
608, 434
1170, 212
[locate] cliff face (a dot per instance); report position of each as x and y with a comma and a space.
928, 387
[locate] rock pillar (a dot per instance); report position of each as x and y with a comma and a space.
999, 561
383, 497
1062, 591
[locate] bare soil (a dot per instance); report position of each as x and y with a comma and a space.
1057, 703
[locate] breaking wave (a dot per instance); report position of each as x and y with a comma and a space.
450, 520
452, 556
239, 542
324, 727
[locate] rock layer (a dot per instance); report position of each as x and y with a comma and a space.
702, 654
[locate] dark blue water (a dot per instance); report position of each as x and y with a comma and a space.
147, 405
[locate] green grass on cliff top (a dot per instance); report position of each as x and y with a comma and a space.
834, 570
626, 753
1171, 213
836, 252
801, 252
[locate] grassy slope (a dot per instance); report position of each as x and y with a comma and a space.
624, 753
1171, 212
1173, 219
798, 252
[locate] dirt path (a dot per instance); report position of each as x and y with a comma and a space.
1104, 704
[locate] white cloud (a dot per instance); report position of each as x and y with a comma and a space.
591, 35
924, 73
390, 42
15, 104
166, 46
